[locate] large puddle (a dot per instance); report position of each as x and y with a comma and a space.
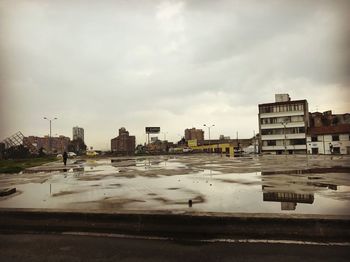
269, 184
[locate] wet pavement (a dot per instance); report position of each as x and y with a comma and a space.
79, 247
258, 184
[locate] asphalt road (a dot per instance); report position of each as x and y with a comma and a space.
51, 247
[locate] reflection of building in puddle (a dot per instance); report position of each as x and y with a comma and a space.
289, 200
78, 169
149, 163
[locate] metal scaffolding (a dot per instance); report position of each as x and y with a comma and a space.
18, 139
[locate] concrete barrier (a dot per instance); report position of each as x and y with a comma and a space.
184, 225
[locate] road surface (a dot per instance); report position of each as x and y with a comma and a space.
58, 247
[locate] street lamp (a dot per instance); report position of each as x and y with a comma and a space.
284, 131
50, 120
164, 133
209, 126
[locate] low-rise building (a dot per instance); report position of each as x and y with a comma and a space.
328, 133
229, 146
123, 144
283, 125
158, 146
329, 140
50, 145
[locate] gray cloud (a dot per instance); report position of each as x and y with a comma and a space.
176, 64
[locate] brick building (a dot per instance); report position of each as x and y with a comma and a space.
194, 134
123, 143
58, 144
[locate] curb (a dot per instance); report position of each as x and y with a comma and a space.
180, 226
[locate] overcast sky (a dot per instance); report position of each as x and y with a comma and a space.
102, 65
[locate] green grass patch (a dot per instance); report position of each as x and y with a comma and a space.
17, 165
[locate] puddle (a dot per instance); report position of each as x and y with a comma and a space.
320, 185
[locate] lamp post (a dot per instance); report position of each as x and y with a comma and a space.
164, 133
209, 126
254, 142
50, 120
285, 137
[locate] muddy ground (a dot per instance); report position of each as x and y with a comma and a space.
213, 183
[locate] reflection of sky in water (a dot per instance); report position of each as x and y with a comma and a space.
100, 185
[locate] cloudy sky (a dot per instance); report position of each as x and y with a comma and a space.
102, 65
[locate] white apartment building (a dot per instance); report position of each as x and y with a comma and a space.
283, 126
78, 132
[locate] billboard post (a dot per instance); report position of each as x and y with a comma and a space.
152, 130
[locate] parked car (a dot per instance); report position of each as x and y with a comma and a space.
59, 156
187, 150
91, 153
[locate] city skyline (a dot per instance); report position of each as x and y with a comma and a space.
172, 64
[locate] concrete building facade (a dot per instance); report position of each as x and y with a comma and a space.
283, 126
194, 134
123, 144
78, 132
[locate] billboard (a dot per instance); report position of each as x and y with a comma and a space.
152, 130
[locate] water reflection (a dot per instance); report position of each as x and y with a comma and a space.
280, 192
288, 200
213, 184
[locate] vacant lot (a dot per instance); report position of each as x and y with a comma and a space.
265, 184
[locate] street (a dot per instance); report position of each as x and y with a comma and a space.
51, 247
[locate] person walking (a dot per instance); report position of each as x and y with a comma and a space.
65, 156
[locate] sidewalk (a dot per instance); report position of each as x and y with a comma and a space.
54, 166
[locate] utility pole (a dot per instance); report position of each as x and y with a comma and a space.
209, 126
285, 137
50, 120
254, 142
164, 133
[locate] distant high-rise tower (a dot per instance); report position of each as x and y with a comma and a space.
78, 132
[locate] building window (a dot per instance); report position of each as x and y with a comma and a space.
301, 130
298, 142
271, 142
314, 139
335, 138
336, 150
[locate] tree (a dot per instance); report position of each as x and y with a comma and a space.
16, 152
